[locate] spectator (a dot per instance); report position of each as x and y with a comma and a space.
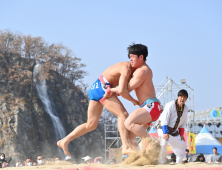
3, 161
98, 160
40, 160
188, 157
173, 158
28, 162
113, 162
200, 158
57, 159
215, 158
19, 163
34, 164
87, 159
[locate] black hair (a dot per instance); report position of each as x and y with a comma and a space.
172, 155
215, 148
138, 49
182, 93
187, 150
4, 155
198, 158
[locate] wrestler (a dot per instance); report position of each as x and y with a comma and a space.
141, 81
116, 75
171, 128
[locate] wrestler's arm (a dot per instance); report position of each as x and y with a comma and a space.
123, 82
137, 80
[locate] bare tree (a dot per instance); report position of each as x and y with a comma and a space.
53, 57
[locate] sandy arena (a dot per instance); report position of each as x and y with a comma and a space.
70, 166
145, 160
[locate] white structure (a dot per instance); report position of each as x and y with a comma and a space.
205, 142
167, 91
204, 118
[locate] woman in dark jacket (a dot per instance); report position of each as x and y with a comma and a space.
200, 158
2, 159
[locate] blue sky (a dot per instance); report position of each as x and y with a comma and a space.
184, 37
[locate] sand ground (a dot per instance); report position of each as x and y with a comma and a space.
64, 165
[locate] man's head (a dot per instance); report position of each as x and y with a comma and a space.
40, 160
57, 158
215, 150
28, 161
137, 54
182, 97
187, 151
2, 157
87, 159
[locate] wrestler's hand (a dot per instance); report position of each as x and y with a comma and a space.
107, 94
166, 137
135, 102
182, 138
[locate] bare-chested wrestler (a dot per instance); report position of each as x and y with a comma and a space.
116, 75
139, 120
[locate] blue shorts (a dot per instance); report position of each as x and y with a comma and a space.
97, 90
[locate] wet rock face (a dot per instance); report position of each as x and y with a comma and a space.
26, 129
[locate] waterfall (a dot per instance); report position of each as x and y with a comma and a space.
43, 95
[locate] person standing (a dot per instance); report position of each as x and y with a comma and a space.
171, 128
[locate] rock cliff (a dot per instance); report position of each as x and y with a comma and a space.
26, 129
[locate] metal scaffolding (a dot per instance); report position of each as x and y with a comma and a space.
166, 91
112, 138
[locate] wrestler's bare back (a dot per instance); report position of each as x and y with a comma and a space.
146, 89
112, 74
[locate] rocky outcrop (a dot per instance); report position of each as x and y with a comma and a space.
26, 129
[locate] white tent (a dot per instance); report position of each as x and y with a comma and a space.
205, 142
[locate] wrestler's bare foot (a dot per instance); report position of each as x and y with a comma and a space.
128, 151
132, 147
64, 147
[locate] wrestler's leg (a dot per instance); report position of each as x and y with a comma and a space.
137, 118
94, 112
114, 105
132, 141
133, 136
